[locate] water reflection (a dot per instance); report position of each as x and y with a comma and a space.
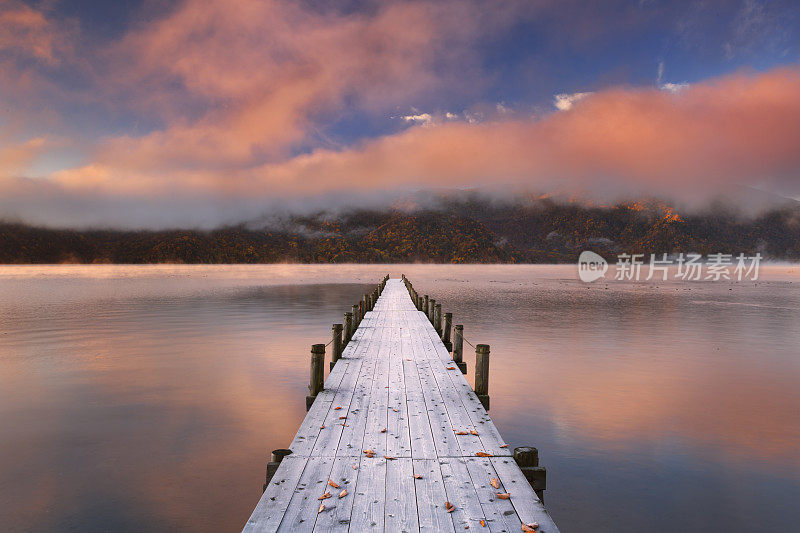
148, 397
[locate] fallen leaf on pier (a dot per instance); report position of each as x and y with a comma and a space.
449, 506
355, 467
451, 368
325, 496
483, 454
494, 483
461, 433
345, 425
473, 431
393, 409
342, 418
530, 527
343, 493
369, 450
370, 455
504, 445
383, 430
503, 495
337, 408
483, 523
322, 426
417, 476
333, 484
321, 508
389, 457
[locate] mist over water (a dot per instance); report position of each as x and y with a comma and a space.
149, 397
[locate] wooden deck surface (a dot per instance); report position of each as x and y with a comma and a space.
396, 391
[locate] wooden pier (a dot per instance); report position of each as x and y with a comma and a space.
396, 439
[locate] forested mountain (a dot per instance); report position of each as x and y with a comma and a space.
464, 230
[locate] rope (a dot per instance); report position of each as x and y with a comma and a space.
465, 340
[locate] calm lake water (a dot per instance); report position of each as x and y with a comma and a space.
148, 397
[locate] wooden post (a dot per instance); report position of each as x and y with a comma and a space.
482, 374
448, 325
348, 328
425, 307
527, 457
272, 466
458, 348
437, 319
315, 383
336, 351
431, 310
355, 320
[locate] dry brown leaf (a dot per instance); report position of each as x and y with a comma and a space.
333, 484
393, 409
473, 431
355, 467
503, 495
451, 368
389, 457
383, 430
483, 523
343, 493
483, 454
343, 424
530, 527
494, 483
342, 418
337, 408
461, 433
504, 445
325, 496
370, 455
417, 476
322, 426
321, 508
369, 450
449, 507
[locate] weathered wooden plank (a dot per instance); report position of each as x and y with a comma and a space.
461, 493
271, 508
500, 514
336, 516
369, 501
401, 502
398, 440
523, 498
431, 497
302, 511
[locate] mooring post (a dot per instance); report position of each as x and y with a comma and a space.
336, 351
431, 310
448, 324
527, 457
274, 462
458, 348
482, 374
355, 320
348, 328
315, 383
437, 319
425, 307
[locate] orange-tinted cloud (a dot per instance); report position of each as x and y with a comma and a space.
233, 95
742, 128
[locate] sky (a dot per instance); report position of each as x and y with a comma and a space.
206, 112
